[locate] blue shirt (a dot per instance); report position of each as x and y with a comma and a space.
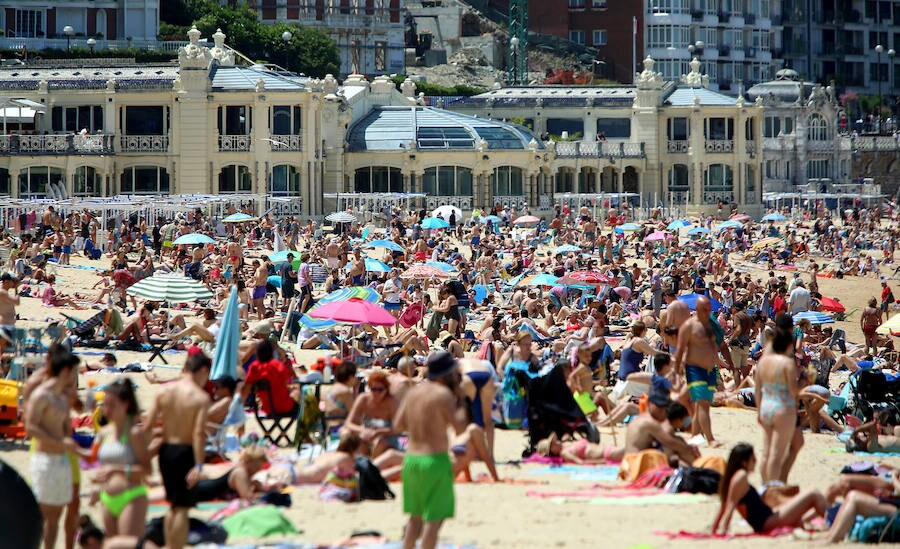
660, 384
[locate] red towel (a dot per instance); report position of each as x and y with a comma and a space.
683, 534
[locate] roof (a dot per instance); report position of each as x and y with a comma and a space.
245, 78
684, 97
555, 96
89, 78
788, 91
394, 128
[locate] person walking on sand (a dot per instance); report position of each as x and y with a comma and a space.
182, 407
427, 413
696, 355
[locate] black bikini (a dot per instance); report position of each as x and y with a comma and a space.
757, 512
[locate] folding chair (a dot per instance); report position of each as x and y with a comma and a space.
156, 346
84, 329
276, 427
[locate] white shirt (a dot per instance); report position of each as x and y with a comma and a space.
798, 301
391, 291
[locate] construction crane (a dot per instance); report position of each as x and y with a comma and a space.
518, 41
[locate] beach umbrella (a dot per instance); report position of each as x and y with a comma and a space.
814, 317
481, 292
389, 244
691, 301
566, 248
225, 357
444, 213
656, 236
766, 242
623, 291
354, 311
678, 224
831, 305
192, 239
375, 266
341, 217
697, 231
628, 227
281, 257
344, 294
171, 287
742, 218
434, 223
423, 270
492, 218
446, 267
774, 217
239, 217
731, 224
585, 278
525, 219
890, 327
543, 279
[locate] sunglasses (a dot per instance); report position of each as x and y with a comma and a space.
378, 389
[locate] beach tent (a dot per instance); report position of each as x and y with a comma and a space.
444, 213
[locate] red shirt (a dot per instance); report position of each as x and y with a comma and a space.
885, 292
279, 376
778, 305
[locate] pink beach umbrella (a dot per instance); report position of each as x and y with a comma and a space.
657, 236
421, 270
623, 291
354, 311
526, 219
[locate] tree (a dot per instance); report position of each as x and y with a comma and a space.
309, 51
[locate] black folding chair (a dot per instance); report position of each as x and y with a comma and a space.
276, 427
84, 329
156, 346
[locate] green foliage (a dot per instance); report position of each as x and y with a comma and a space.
168, 31
440, 91
309, 51
142, 56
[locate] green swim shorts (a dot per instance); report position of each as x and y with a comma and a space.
701, 382
428, 486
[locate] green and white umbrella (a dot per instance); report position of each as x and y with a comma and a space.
171, 287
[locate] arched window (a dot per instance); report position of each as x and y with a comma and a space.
378, 179
284, 181
447, 181
5, 186
86, 182
145, 180
718, 177
507, 181
235, 179
818, 130
101, 25
565, 180
42, 182
678, 178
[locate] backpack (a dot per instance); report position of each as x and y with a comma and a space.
890, 298
459, 291
513, 403
694, 480
371, 484
877, 530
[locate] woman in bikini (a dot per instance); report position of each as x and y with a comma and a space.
478, 385
736, 493
339, 398
580, 452
235, 481
450, 307
776, 394
372, 414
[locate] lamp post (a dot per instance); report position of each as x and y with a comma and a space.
91, 44
69, 32
891, 53
514, 49
286, 38
878, 49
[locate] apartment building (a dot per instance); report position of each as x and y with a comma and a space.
40, 20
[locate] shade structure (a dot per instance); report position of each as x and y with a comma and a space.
344, 294
742, 218
423, 270
656, 236
691, 301
341, 217
446, 267
566, 248
831, 305
434, 223
192, 239
585, 277
814, 317
628, 227
354, 311
225, 356
890, 326
525, 219
543, 279
766, 242
375, 266
731, 224
171, 287
774, 217
697, 231
492, 218
678, 224
444, 213
239, 217
389, 244
281, 257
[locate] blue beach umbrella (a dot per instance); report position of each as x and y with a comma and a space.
375, 266
729, 225
774, 217
389, 244
691, 301
566, 248
814, 317
226, 355
446, 267
434, 223
238, 218
192, 239
281, 257
697, 231
543, 279
629, 227
678, 224
492, 218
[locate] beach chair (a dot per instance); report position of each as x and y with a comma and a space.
235, 417
84, 329
276, 427
156, 346
536, 336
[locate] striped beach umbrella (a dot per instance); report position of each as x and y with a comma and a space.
171, 287
341, 217
421, 270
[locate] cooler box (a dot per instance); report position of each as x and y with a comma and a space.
9, 400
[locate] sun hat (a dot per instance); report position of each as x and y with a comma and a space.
543, 446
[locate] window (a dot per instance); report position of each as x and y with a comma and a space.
678, 178
235, 179
771, 126
817, 169
708, 35
876, 38
29, 23
574, 127
86, 182
286, 120
733, 38
599, 38
678, 129
75, 119
599, 4
577, 4
788, 126
499, 138
665, 7
718, 177
749, 133
284, 181
878, 72
380, 56
447, 181
5, 180
145, 120
235, 120
576, 36
664, 36
818, 130
614, 128
444, 138
145, 180
378, 179
565, 181
41, 182
507, 181
719, 129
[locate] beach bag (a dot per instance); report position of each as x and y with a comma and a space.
513, 406
258, 521
694, 480
412, 315
877, 530
371, 484
433, 329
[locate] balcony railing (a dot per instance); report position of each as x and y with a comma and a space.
34, 44
56, 144
750, 147
724, 17
290, 143
143, 143
461, 202
234, 143
599, 149
517, 202
865, 144
714, 197
697, 15
720, 145
677, 146
749, 18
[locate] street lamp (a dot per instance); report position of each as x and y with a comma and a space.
891, 53
514, 46
286, 38
69, 32
878, 49
91, 44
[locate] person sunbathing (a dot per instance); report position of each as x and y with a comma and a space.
207, 330
135, 327
343, 459
650, 438
581, 452
235, 482
880, 435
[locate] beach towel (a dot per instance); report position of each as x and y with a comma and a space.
636, 464
655, 499
580, 472
876, 454
258, 521
684, 534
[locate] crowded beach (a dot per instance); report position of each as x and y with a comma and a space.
217, 373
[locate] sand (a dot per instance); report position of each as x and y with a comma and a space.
501, 515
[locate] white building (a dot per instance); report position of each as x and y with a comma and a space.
40, 24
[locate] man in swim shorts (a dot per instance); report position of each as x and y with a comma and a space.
426, 413
357, 269
182, 408
696, 353
260, 279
